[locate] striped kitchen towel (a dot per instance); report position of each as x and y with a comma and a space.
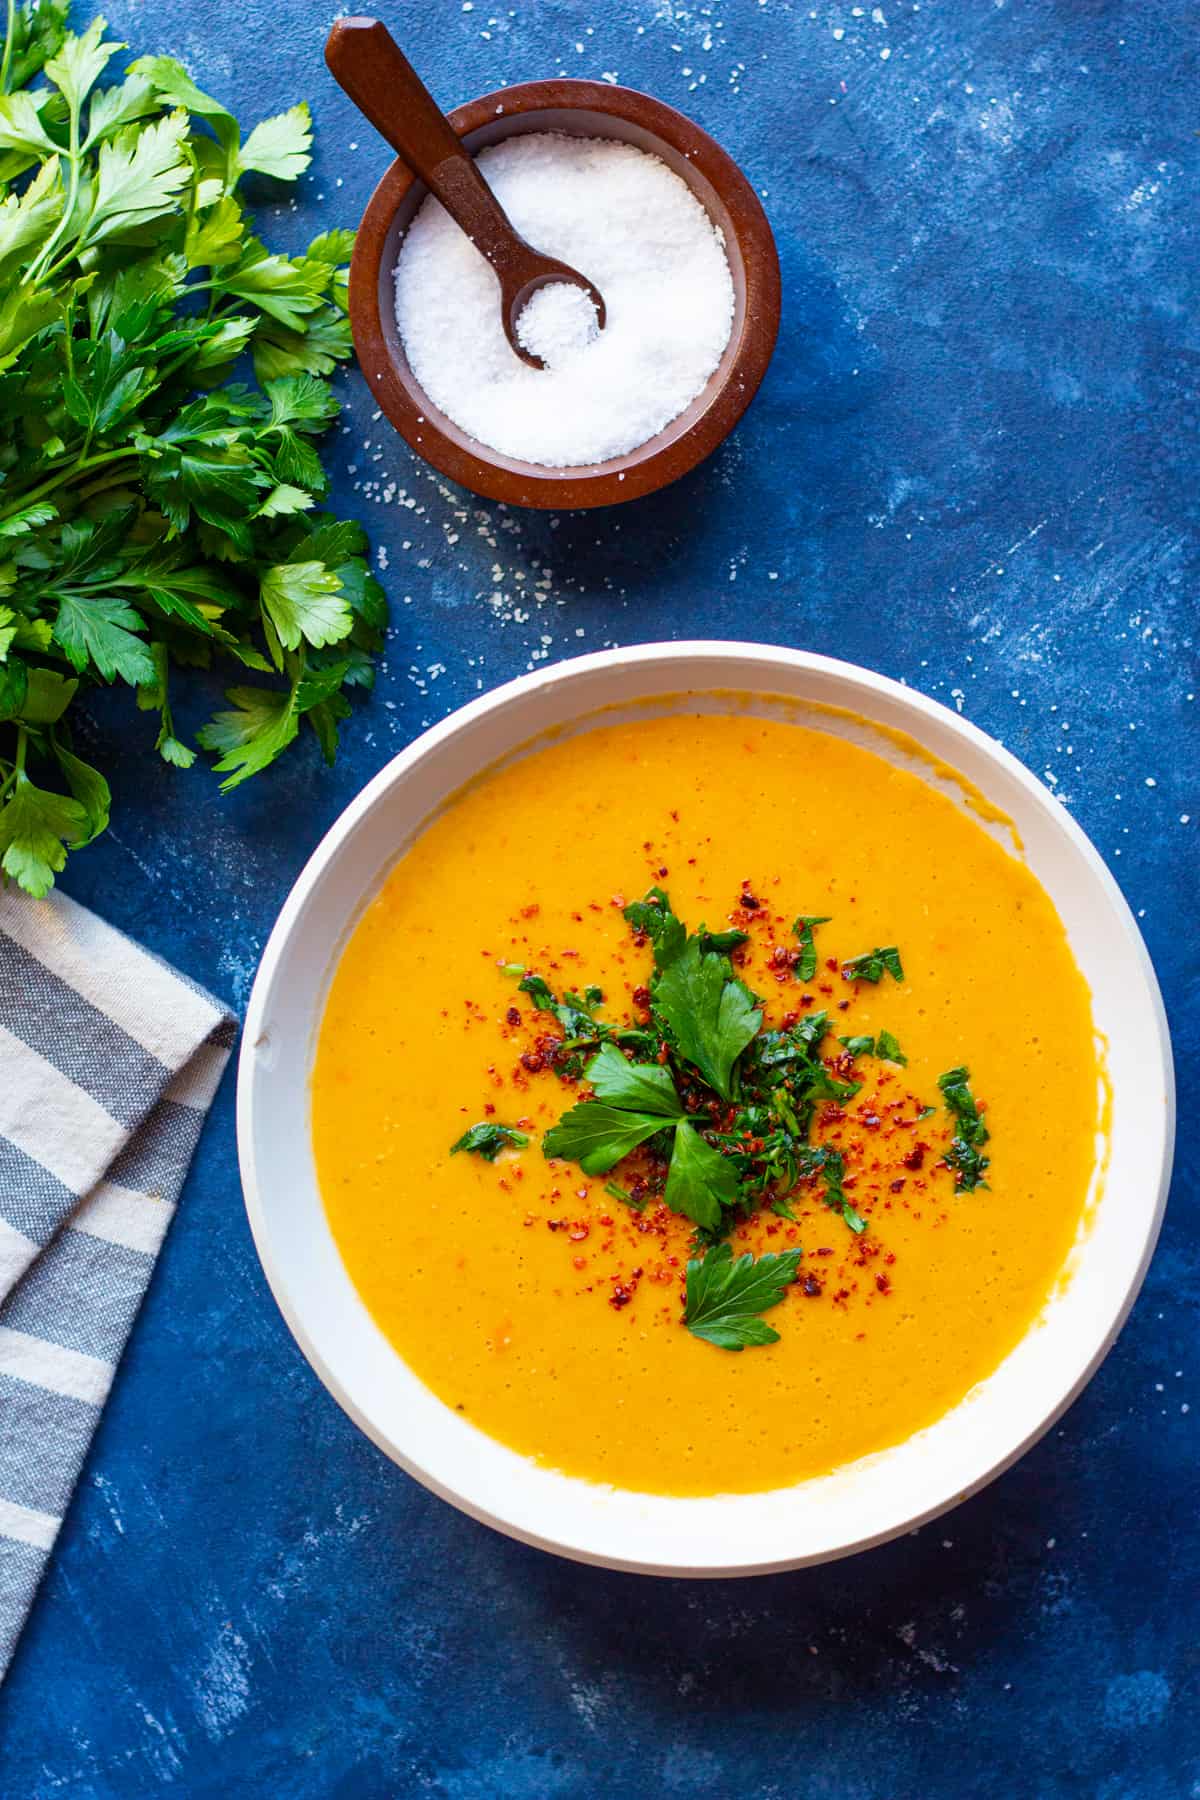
109, 1061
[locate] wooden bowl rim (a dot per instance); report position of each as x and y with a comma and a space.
645, 469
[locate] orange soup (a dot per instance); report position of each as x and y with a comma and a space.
548, 1305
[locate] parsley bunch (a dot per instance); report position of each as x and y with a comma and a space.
153, 514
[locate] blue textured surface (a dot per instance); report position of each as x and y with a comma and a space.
974, 466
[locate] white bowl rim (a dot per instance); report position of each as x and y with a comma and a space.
673, 658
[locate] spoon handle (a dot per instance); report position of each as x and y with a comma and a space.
365, 60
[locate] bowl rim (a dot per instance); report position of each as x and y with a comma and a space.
642, 471
1044, 1412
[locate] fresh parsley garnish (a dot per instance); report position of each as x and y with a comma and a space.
965, 1155
156, 517
488, 1139
597, 1135
873, 965
708, 1015
721, 1107
700, 1181
652, 917
726, 1294
885, 1046
806, 967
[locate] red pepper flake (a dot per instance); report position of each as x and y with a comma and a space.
620, 1296
883, 1283
915, 1157
579, 1231
512, 1016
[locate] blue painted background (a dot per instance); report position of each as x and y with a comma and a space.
974, 466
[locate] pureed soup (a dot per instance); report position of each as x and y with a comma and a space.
705, 1102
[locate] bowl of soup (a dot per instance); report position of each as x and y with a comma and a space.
705, 1108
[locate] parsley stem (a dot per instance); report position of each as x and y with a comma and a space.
9, 30
40, 269
19, 758
77, 466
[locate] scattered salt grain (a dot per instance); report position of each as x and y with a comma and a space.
629, 223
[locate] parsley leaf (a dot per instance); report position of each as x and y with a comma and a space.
873, 965
965, 1155
597, 1135
725, 1296
36, 829
98, 631
710, 1016
700, 1180
652, 917
806, 968
488, 1139
637, 1087
260, 727
889, 1049
280, 146
304, 601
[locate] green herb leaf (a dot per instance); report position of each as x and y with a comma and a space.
261, 726
889, 1049
597, 1136
36, 829
700, 1181
280, 146
96, 630
652, 917
637, 1087
710, 1016
726, 1295
806, 968
965, 1155
722, 942
873, 965
304, 601
139, 175
488, 1139
89, 788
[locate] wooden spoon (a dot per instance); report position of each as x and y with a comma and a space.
366, 61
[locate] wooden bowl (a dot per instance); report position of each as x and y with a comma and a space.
580, 109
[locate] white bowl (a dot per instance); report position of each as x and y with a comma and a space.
868, 1501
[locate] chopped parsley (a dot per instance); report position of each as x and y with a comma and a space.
885, 1046
806, 967
965, 1155
873, 965
488, 1140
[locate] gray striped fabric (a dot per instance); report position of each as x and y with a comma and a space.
109, 1061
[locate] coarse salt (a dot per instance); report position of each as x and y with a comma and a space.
630, 224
